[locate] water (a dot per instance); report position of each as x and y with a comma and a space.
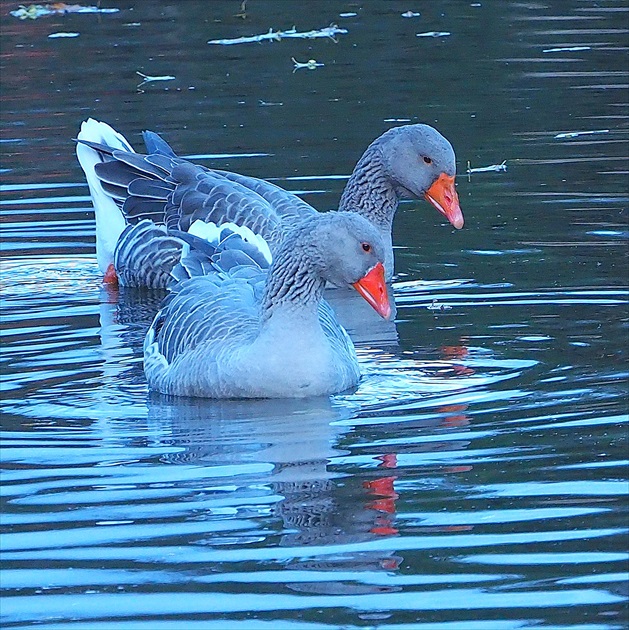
478, 475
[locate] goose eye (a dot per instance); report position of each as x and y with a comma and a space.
427, 159
366, 247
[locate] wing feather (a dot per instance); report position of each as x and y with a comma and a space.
162, 189
146, 254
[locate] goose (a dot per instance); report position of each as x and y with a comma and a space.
139, 199
235, 327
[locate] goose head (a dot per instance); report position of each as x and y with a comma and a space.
421, 163
351, 253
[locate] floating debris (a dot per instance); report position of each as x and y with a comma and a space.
567, 49
61, 34
275, 36
410, 14
311, 64
494, 168
242, 14
576, 134
433, 34
34, 11
435, 306
148, 79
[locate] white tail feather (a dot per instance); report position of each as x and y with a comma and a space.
109, 219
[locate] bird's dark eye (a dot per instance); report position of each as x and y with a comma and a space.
366, 247
427, 159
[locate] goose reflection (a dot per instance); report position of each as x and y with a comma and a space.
282, 454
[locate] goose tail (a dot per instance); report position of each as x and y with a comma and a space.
110, 221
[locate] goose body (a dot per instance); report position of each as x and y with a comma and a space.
233, 327
139, 199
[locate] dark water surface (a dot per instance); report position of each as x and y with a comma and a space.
478, 476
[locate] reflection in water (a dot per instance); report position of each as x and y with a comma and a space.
310, 505
126, 314
296, 440
364, 325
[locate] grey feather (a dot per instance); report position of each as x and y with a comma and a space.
227, 253
141, 187
100, 148
138, 208
116, 173
138, 162
282, 201
145, 255
156, 144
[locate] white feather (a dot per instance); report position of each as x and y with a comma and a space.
109, 219
214, 233
152, 355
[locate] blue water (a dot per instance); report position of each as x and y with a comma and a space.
477, 477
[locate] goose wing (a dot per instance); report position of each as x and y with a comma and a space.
214, 305
167, 189
174, 192
219, 311
284, 203
146, 254
335, 333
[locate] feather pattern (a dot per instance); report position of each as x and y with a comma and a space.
145, 255
284, 203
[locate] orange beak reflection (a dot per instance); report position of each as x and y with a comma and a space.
443, 196
374, 289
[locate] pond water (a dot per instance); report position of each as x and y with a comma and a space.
477, 478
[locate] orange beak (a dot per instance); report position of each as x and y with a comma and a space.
374, 289
442, 195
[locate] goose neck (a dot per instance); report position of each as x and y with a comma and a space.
370, 190
293, 285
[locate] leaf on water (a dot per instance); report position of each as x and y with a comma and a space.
437, 306
242, 14
311, 64
34, 11
329, 31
